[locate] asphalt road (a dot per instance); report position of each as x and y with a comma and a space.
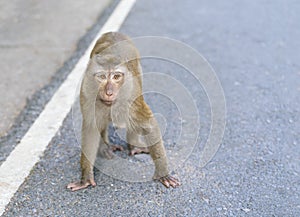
37, 37
253, 47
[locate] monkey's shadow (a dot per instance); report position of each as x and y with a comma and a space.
117, 136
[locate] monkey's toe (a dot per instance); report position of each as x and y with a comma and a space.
116, 148
138, 150
107, 153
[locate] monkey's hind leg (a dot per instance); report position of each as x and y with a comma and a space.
135, 146
107, 147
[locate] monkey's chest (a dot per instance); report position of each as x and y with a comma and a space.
119, 120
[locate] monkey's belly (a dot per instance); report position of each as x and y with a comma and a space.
120, 125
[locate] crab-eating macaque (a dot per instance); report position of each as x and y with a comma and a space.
111, 91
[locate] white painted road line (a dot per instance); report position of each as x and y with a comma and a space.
32, 146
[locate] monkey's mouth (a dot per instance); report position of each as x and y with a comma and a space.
107, 102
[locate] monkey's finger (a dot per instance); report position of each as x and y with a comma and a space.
165, 182
173, 181
73, 184
82, 186
77, 186
93, 183
173, 184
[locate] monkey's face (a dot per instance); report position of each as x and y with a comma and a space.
109, 83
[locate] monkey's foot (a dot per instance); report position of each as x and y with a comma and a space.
169, 180
74, 186
107, 152
116, 147
139, 150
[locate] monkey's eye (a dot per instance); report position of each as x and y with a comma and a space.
117, 76
101, 76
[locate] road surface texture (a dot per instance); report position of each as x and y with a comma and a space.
254, 48
38, 73
36, 38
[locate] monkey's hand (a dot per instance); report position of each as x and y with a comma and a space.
169, 180
74, 186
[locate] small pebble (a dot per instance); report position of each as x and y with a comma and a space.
246, 210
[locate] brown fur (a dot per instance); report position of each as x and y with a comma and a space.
114, 50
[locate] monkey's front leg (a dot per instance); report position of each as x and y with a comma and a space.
158, 154
159, 157
90, 141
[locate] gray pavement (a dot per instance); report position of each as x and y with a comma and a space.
253, 46
36, 38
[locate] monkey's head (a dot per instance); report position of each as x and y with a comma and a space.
114, 62
109, 82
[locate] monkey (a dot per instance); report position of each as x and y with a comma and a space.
111, 92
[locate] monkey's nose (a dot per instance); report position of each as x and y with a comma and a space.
109, 92
109, 89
